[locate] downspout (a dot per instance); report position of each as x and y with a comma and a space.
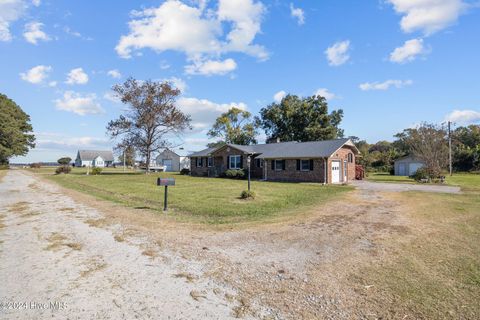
325, 171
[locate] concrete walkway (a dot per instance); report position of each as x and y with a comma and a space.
399, 187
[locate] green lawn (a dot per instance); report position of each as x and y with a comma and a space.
211, 200
467, 181
386, 177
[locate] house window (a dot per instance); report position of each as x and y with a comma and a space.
235, 162
350, 157
305, 165
279, 165
210, 162
259, 163
199, 162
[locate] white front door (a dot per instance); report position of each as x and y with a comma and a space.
336, 171
167, 164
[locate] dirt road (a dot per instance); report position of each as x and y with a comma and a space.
98, 260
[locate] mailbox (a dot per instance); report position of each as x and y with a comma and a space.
165, 182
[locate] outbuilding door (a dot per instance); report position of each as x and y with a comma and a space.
413, 167
336, 171
402, 169
168, 164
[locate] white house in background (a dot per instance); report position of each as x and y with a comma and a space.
94, 158
170, 161
407, 166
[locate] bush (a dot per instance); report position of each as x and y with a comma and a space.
4, 167
235, 174
247, 195
35, 165
63, 169
96, 171
420, 174
185, 171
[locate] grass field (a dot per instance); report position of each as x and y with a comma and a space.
436, 271
210, 200
468, 181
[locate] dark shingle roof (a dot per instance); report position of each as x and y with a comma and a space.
312, 149
203, 153
89, 155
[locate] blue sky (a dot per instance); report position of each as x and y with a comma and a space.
388, 64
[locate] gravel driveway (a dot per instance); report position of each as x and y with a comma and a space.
399, 187
55, 263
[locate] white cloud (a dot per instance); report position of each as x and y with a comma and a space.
10, 11
61, 142
36, 3
199, 32
177, 83
205, 112
110, 96
428, 16
464, 117
79, 104
337, 54
277, 97
385, 85
114, 74
211, 67
77, 76
52, 84
408, 52
298, 14
37, 74
33, 32
325, 93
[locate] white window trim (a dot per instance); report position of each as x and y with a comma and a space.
275, 165
235, 162
301, 164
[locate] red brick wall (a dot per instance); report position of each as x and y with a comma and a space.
292, 174
342, 155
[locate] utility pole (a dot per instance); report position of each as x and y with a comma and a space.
450, 147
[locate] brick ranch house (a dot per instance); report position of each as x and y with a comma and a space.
329, 161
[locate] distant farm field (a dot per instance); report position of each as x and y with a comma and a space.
211, 200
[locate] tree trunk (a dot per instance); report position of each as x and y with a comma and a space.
148, 161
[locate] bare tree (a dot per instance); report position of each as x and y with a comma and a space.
427, 143
151, 116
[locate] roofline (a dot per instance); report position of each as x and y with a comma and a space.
348, 140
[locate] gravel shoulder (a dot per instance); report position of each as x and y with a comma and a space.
52, 250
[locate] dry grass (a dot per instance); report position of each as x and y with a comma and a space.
242, 309
66, 209
19, 207
119, 238
188, 276
58, 240
74, 245
149, 252
436, 274
197, 295
2, 225
94, 265
96, 222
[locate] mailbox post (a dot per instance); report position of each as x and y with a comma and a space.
165, 182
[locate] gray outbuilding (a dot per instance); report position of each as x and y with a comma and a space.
407, 166
169, 160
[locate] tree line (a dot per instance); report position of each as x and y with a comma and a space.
152, 119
